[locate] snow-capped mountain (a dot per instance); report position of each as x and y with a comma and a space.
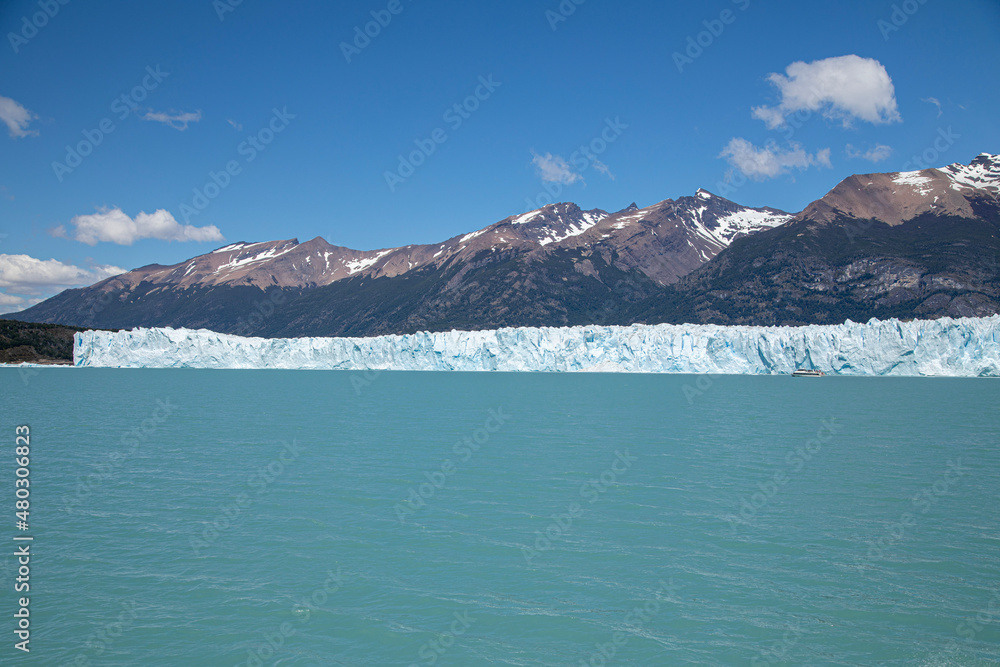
674, 237
896, 197
983, 173
910, 244
652, 237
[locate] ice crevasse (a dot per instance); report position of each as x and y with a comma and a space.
967, 347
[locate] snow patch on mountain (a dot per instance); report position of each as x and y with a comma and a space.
727, 227
573, 228
526, 217
945, 347
232, 246
748, 220
472, 235
916, 180
627, 220
982, 173
356, 265
240, 261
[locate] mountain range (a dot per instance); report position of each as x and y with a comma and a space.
912, 244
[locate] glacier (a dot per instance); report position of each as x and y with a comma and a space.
966, 347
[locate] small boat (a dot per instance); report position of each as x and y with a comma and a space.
807, 373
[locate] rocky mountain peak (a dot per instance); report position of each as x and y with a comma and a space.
553, 264
896, 197
983, 173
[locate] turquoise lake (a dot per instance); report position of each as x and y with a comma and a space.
191, 517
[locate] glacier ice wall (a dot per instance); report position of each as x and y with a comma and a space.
947, 347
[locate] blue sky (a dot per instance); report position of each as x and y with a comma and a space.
309, 128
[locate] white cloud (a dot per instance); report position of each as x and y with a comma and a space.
23, 278
178, 121
13, 304
23, 273
844, 88
26, 280
236, 126
11, 300
114, 226
877, 154
16, 117
603, 168
771, 161
554, 169
935, 101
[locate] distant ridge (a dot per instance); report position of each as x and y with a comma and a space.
912, 244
